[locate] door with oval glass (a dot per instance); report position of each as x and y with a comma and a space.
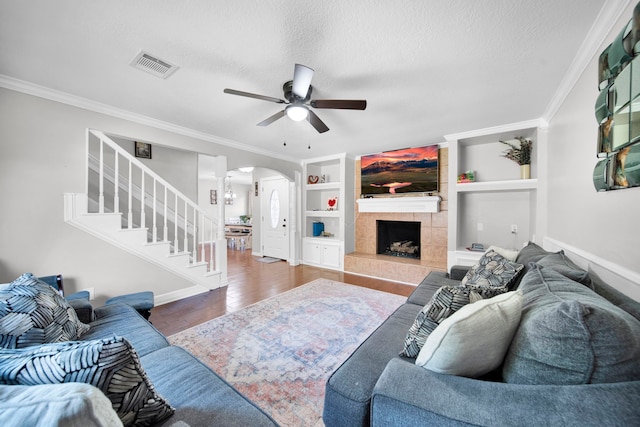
274, 206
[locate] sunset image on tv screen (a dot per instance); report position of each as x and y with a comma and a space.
410, 170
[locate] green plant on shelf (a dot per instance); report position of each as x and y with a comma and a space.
522, 154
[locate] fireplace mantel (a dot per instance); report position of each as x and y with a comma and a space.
400, 204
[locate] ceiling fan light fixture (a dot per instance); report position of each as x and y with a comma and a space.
297, 113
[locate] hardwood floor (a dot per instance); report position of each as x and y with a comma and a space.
251, 281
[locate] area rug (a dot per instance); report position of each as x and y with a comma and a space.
268, 260
279, 352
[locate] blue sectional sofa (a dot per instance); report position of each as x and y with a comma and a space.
195, 393
574, 360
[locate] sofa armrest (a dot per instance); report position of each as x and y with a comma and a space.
410, 395
458, 271
80, 303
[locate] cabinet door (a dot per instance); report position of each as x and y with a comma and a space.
331, 256
311, 253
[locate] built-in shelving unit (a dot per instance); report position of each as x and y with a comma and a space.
335, 180
484, 211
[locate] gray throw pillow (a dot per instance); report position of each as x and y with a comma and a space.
531, 253
32, 313
563, 265
110, 364
568, 334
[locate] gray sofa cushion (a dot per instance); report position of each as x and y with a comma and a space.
348, 390
201, 398
570, 335
125, 321
429, 285
563, 265
531, 253
408, 395
616, 297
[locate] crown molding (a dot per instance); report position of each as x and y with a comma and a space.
529, 124
607, 18
87, 104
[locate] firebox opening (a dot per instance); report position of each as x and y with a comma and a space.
398, 238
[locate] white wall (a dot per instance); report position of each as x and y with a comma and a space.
42, 156
178, 167
603, 225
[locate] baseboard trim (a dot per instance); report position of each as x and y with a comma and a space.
179, 294
380, 278
621, 278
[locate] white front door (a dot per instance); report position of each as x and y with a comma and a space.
274, 206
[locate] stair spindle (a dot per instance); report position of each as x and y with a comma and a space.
185, 245
101, 179
155, 210
203, 256
143, 222
211, 264
129, 198
195, 235
116, 184
165, 228
176, 247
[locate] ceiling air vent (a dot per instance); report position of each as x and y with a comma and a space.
158, 67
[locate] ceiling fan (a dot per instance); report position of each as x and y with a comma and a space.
297, 94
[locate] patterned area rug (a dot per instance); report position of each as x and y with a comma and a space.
280, 352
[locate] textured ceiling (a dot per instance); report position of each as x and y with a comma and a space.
426, 67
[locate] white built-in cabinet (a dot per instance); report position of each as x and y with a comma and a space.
335, 180
486, 211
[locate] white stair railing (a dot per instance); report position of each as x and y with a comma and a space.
150, 201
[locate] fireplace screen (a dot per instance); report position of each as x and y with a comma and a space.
398, 238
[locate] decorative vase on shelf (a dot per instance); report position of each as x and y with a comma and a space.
521, 154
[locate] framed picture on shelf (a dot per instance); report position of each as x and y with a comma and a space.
332, 204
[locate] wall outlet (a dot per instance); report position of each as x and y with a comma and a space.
92, 292
480, 226
514, 229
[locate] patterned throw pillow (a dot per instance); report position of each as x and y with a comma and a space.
446, 301
493, 271
110, 364
32, 313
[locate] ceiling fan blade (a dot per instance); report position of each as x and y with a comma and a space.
316, 122
254, 95
268, 121
341, 104
302, 76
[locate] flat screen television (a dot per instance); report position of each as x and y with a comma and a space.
410, 170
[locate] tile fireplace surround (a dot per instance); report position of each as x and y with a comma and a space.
433, 241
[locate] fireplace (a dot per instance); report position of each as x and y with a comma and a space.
398, 238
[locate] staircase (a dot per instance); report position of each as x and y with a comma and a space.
129, 206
